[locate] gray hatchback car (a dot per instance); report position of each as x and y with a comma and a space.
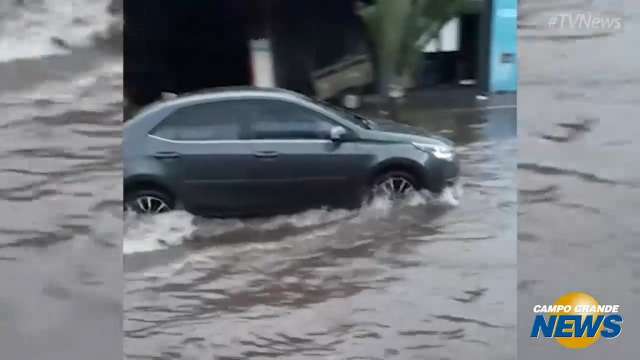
253, 152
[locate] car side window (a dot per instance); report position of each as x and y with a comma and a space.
219, 120
282, 120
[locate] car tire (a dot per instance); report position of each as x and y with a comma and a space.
149, 202
394, 185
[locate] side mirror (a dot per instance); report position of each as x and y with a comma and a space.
337, 133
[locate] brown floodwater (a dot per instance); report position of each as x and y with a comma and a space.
578, 174
433, 278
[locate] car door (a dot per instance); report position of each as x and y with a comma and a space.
207, 142
298, 165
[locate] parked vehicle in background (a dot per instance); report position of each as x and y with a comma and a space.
344, 80
250, 152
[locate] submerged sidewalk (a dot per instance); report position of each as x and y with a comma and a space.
454, 99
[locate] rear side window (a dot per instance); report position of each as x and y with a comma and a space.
220, 120
275, 119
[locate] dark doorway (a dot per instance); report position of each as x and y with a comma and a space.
469, 46
462, 67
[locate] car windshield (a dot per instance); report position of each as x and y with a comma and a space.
348, 115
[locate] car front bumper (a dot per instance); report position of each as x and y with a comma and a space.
441, 174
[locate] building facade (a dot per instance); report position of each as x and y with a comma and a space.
317, 47
476, 48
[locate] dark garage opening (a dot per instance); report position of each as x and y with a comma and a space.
467, 66
182, 46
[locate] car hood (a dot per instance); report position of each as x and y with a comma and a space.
387, 130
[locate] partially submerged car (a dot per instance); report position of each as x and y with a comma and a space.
253, 151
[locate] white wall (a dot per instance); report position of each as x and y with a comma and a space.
447, 40
262, 63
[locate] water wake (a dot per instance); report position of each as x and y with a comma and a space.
147, 234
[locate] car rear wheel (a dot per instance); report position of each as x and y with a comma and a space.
394, 185
149, 202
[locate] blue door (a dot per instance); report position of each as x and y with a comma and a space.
503, 72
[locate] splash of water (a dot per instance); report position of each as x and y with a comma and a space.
32, 29
147, 234
150, 233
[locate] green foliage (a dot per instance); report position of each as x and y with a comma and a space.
400, 30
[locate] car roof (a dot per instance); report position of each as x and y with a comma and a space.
217, 93
220, 92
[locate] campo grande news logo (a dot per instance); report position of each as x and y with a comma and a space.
576, 320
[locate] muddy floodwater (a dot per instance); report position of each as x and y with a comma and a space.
432, 279
579, 175
60, 182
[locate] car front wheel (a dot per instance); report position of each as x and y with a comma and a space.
394, 185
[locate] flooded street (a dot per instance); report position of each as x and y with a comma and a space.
579, 177
60, 185
433, 279
429, 280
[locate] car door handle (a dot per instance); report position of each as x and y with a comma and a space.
166, 155
266, 154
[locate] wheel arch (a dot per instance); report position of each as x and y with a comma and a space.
147, 182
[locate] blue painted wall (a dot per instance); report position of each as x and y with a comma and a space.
503, 64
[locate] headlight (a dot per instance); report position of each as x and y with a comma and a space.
439, 151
